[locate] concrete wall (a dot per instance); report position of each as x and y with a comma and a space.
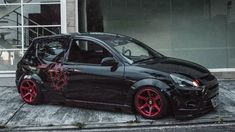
198, 30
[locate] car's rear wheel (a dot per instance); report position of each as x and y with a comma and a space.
30, 92
150, 103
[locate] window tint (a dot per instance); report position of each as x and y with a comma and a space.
50, 50
29, 56
83, 51
131, 49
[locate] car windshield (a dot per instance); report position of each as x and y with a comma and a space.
132, 50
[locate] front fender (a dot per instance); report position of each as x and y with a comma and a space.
151, 82
164, 87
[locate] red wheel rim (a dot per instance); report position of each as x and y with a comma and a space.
148, 102
28, 90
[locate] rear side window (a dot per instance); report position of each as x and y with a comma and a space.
51, 50
29, 57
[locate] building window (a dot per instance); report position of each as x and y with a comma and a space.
20, 22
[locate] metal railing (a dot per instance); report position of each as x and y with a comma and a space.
18, 14
31, 31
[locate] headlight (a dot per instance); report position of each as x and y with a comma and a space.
184, 81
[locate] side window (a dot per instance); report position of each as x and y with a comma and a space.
29, 56
50, 50
83, 51
134, 49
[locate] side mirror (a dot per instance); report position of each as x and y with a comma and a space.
108, 61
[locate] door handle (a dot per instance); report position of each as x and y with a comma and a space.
70, 69
73, 70
76, 70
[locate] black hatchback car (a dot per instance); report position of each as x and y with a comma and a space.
111, 71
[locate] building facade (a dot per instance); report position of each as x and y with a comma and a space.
197, 30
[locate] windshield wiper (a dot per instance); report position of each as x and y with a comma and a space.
144, 60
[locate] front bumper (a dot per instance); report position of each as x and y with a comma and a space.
187, 112
195, 102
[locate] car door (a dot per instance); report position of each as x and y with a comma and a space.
88, 80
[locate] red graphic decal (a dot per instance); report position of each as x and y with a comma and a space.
55, 74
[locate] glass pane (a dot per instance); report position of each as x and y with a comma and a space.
9, 1
40, 1
46, 14
10, 15
32, 32
9, 59
10, 38
83, 51
51, 50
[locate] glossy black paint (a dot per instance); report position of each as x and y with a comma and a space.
114, 87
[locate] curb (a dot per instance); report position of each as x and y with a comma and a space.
127, 127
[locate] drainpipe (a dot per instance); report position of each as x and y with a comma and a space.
82, 15
228, 13
82, 11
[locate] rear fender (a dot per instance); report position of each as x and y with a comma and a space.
33, 77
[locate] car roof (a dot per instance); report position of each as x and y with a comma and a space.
102, 35
98, 35
51, 36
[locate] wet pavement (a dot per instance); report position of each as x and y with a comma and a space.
16, 115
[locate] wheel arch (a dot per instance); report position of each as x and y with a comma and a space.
164, 88
33, 77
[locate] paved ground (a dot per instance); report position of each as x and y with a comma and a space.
16, 115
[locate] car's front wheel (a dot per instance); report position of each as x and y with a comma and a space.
30, 92
150, 103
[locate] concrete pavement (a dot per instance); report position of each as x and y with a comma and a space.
16, 115
7, 81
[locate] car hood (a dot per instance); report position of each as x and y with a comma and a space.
173, 65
